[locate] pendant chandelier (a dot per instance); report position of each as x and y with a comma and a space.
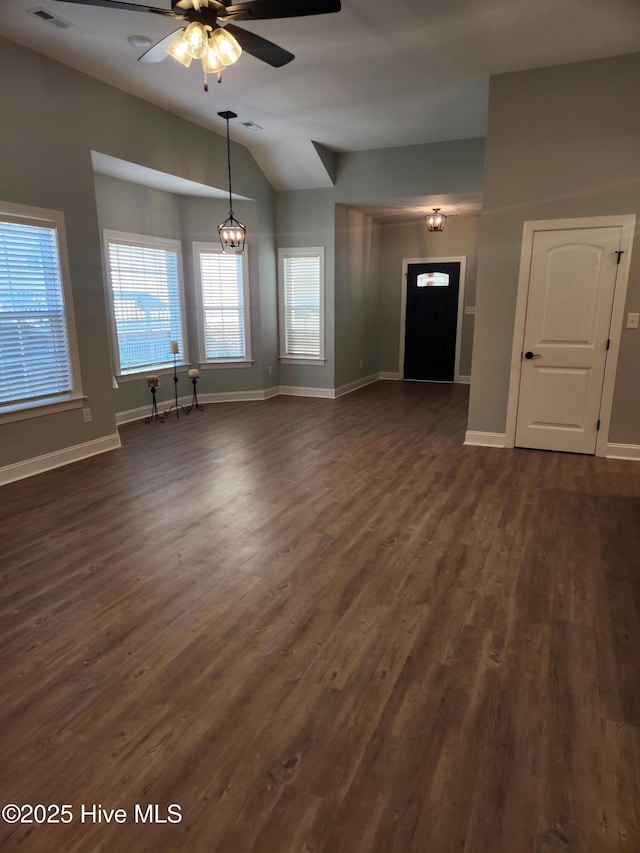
231, 232
435, 220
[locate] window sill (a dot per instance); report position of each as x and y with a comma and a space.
150, 371
26, 411
288, 359
216, 365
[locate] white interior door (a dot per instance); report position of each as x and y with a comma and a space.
568, 317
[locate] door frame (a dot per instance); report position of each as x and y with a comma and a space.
628, 223
462, 260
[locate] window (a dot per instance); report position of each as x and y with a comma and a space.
224, 305
147, 301
301, 273
38, 351
433, 279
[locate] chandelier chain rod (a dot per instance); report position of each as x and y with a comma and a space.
229, 168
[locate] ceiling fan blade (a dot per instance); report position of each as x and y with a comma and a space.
158, 51
199, 6
262, 49
257, 10
116, 4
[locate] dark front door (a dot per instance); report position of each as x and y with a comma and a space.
431, 321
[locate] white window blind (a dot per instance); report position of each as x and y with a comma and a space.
301, 304
225, 318
35, 361
147, 300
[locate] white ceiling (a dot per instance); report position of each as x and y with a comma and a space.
374, 75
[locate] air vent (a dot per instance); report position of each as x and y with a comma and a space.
49, 18
251, 125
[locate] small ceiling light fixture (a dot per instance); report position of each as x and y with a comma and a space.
231, 232
216, 49
435, 220
140, 41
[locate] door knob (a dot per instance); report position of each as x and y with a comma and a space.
531, 355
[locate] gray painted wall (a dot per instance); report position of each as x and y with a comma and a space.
53, 117
386, 174
125, 206
306, 218
410, 239
200, 218
356, 297
562, 142
326, 217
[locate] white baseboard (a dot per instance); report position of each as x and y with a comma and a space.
623, 451
215, 397
462, 380
484, 439
357, 383
144, 411
130, 415
236, 396
299, 391
40, 464
266, 394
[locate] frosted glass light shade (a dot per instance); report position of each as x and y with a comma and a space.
212, 64
227, 47
179, 49
197, 38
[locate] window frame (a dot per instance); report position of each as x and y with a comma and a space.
54, 219
151, 241
208, 247
302, 252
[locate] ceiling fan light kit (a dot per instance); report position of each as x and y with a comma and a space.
216, 49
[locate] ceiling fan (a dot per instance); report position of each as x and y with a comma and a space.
208, 32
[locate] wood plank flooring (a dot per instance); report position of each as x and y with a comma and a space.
327, 627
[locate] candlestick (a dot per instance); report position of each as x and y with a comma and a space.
194, 375
153, 382
173, 345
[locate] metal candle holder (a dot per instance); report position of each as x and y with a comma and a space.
194, 375
175, 405
153, 382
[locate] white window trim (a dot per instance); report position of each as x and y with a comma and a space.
157, 371
217, 363
301, 360
27, 215
155, 243
285, 357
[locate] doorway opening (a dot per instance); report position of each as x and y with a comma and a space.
431, 319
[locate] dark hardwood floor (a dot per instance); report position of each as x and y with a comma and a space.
324, 626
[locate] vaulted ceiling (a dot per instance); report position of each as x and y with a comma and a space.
374, 75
